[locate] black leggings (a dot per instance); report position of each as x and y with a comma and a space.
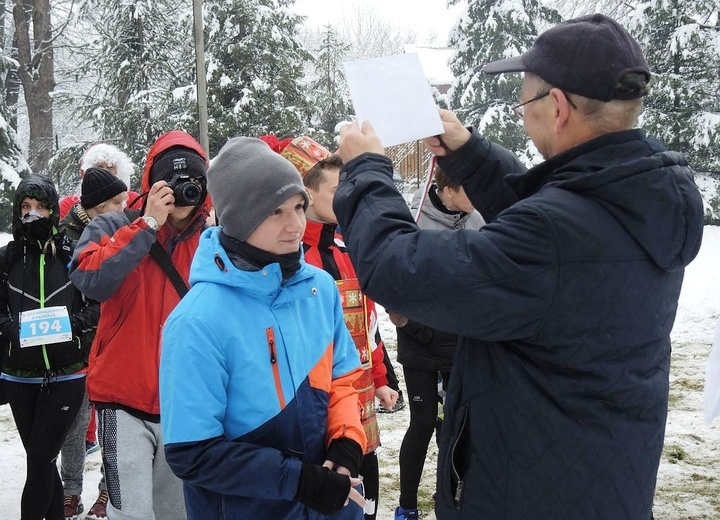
391, 376
371, 480
422, 395
43, 416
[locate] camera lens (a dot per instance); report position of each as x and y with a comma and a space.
191, 193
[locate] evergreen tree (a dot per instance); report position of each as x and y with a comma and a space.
490, 30
12, 166
255, 69
64, 168
138, 72
681, 41
363, 35
328, 92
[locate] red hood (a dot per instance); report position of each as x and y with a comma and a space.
168, 140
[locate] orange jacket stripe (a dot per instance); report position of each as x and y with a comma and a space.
343, 409
276, 371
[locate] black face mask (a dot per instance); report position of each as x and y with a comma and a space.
36, 230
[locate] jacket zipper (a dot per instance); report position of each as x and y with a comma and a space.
456, 474
42, 304
270, 333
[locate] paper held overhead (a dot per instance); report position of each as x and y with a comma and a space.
394, 95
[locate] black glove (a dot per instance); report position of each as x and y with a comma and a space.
346, 452
322, 489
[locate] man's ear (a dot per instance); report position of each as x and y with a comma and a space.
310, 195
562, 109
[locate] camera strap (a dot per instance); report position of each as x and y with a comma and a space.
159, 254
161, 257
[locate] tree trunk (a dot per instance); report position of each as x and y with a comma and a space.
37, 75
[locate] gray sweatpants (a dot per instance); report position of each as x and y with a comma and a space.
139, 481
72, 454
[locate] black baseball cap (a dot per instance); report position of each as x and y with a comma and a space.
586, 56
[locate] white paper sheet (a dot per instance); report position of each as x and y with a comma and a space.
393, 94
711, 398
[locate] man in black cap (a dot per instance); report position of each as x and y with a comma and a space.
563, 302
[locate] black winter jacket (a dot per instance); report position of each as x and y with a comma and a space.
420, 347
74, 223
21, 262
564, 303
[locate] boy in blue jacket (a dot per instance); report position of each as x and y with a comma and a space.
260, 416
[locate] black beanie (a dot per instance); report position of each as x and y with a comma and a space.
177, 159
99, 185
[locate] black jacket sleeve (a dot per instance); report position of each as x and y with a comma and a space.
428, 336
6, 321
481, 166
506, 272
86, 319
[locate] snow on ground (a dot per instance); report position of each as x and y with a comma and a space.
688, 477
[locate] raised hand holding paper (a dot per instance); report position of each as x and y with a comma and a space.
394, 95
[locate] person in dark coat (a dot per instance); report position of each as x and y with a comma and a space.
46, 327
563, 302
425, 353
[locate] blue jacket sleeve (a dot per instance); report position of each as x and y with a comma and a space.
235, 468
491, 284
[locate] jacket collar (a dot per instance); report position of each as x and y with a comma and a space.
320, 234
531, 181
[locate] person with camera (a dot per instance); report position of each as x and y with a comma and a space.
120, 256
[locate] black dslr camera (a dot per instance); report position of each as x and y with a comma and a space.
186, 190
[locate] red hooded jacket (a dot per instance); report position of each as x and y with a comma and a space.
111, 264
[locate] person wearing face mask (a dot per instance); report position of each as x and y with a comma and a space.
46, 326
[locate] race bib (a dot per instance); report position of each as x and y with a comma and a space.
45, 326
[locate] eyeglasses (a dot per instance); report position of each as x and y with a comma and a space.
519, 110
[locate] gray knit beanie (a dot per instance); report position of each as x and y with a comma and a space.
247, 181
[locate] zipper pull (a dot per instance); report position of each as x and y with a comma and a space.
458, 494
271, 343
